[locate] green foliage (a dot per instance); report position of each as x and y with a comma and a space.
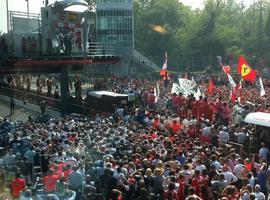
195, 37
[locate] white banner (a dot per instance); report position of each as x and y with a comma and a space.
232, 83
261, 88
193, 82
156, 92
187, 84
198, 94
179, 89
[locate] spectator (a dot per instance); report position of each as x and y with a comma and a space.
17, 185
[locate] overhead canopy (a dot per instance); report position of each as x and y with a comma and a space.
258, 118
99, 94
63, 4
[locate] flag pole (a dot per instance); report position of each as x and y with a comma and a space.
7, 15
27, 8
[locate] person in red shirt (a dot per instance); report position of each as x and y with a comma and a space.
197, 182
218, 108
192, 131
175, 102
194, 105
151, 100
170, 194
50, 181
210, 110
17, 185
176, 127
67, 172
201, 108
116, 195
182, 187
225, 114
156, 123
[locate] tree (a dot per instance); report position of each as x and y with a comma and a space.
196, 37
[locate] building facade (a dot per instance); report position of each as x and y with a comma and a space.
115, 25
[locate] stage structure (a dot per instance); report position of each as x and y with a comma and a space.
58, 24
54, 41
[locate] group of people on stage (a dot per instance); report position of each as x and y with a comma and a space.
29, 46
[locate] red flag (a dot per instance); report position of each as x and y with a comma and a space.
163, 72
245, 70
211, 87
226, 69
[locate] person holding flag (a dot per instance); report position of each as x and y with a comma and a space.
225, 68
211, 87
262, 91
164, 71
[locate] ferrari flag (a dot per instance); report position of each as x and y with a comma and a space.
245, 70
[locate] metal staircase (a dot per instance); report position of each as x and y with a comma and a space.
142, 59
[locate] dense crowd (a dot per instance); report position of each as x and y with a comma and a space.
173, 147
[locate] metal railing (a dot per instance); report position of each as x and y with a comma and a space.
103, 49
31, 97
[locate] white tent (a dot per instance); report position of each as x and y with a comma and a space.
258, 118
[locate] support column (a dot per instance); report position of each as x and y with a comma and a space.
64, 88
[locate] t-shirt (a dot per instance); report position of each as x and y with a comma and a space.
263, 153
50, 182
206, 131
223, 136
259, 196
176, 127
17, 185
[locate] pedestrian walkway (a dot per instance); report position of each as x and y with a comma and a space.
22, 110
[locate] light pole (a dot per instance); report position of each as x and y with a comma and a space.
7, 14
27, 8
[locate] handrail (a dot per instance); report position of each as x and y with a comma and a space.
140, 57
147, 56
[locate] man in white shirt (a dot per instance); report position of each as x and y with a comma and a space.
200, 166
241, 136
229, 176
207, 130
263, 152
238, 168
237, 113
258, 194
223, 136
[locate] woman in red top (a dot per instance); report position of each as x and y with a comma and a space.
17, 185
197, 182
182, 187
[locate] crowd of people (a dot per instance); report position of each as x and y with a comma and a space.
173, 147
49, 86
